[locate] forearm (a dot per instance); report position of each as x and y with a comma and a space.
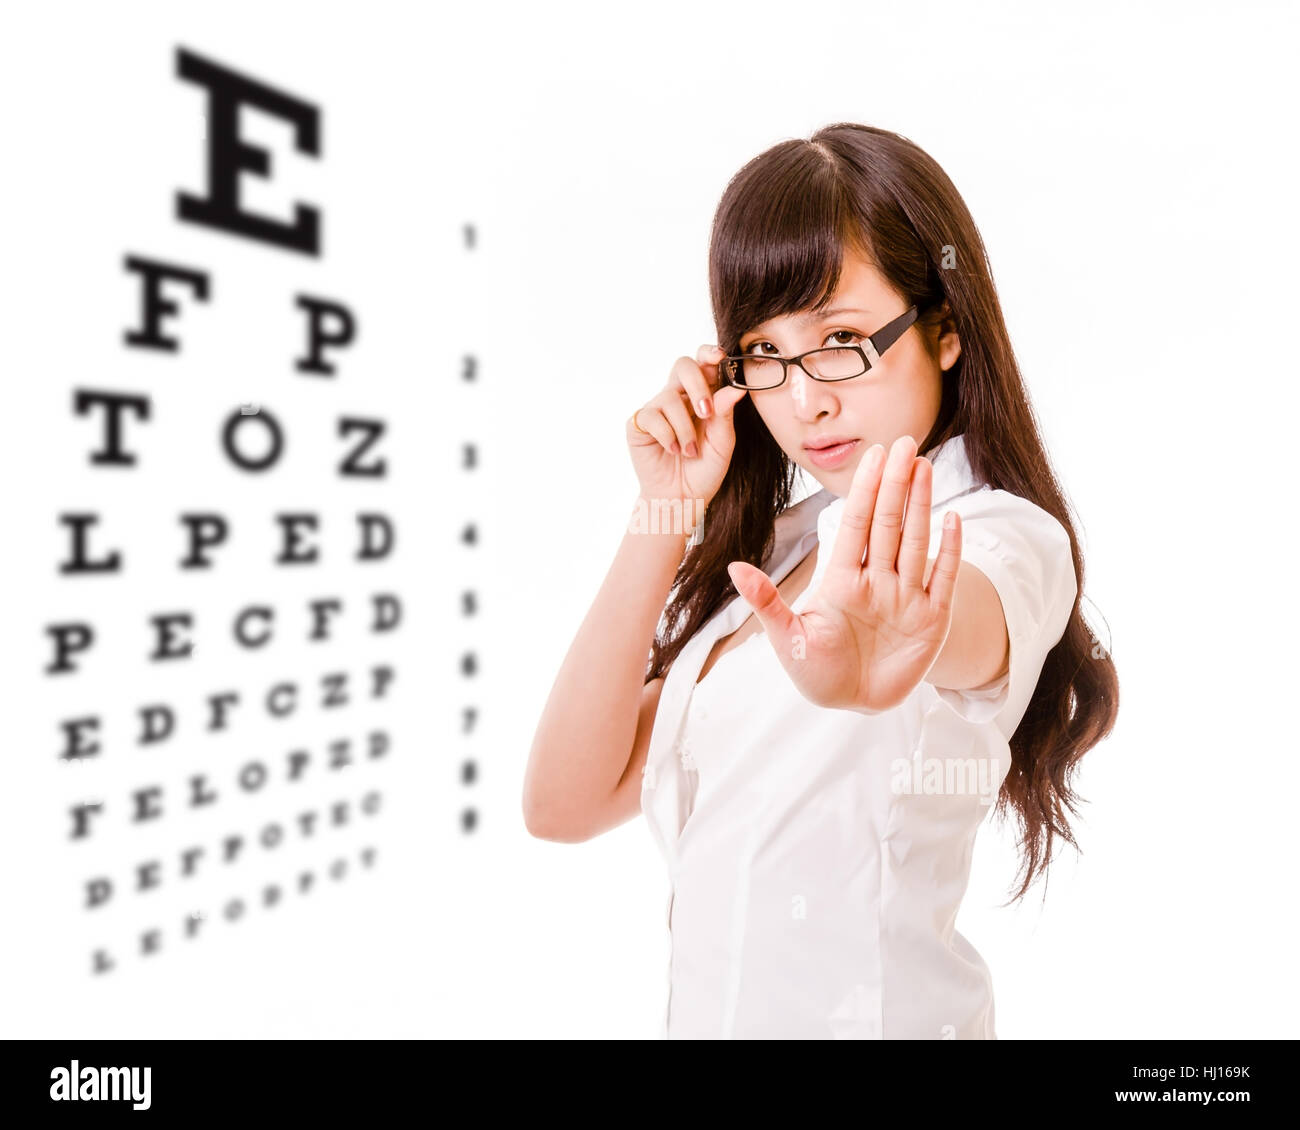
977, 649
588, 726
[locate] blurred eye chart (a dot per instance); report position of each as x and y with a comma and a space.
249, 587
322, 324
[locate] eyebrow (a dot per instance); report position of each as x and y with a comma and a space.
821, 315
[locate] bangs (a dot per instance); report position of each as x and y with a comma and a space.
778, 240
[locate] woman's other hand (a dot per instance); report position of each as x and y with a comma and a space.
691, 435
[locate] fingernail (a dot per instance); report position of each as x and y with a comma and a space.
676, 448
703, 405
691, 450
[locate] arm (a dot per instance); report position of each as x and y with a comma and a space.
1025, 556
624, 802
977, 650
581, 778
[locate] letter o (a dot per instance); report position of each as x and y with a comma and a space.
238, 420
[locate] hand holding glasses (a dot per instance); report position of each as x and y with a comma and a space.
832, 363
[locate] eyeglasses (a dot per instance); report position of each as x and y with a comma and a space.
834, 363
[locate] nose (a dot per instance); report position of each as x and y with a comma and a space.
811, 398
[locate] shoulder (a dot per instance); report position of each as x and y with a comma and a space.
1018, 533
993, 516
999, 516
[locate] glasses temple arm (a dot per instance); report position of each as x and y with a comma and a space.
883, 339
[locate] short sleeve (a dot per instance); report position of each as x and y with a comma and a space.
1025, 552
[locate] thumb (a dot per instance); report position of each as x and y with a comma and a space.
780, 624
725, 401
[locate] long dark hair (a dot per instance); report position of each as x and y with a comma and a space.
778, 241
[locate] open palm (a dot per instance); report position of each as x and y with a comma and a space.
873, 628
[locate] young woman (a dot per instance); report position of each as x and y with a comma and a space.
837, 691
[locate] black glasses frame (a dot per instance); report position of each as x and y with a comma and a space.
869, 350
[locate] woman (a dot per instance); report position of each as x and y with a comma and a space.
816, 796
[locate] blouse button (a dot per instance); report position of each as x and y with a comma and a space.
687, 758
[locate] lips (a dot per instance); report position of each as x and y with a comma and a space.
822, 442
833, 457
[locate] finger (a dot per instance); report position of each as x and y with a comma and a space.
915, 550
635, 436
780, 624
725, 401
679, 416
943, 577
652, 420
707, 358
855, 520
697, 379
887, 519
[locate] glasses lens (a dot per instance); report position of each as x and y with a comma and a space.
835, 364
758, 372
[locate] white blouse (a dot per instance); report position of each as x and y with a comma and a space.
818, 856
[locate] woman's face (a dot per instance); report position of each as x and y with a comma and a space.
900, 396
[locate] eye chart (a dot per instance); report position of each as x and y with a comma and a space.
243, 623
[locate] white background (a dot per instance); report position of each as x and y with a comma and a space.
1132, 171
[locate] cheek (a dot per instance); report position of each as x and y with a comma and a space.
769, 411
779, 420
917, 380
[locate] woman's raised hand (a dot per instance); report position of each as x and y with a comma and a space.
872, 631
689, 435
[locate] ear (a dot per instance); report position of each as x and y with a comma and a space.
948, 344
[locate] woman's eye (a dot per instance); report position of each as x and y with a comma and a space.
835, 337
